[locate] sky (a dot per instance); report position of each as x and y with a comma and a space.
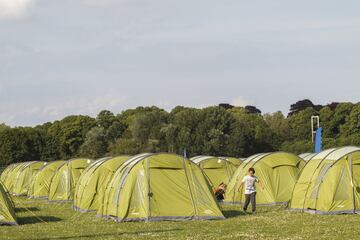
82, 56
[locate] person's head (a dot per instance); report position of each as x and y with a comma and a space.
251, 171
222, 185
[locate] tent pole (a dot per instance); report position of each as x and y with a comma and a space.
189, 187
149, 193
352, 181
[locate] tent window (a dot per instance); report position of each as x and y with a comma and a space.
319, 179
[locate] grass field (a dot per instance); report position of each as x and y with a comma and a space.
40, 220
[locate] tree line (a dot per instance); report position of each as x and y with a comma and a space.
222, 130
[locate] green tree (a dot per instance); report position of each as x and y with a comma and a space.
95, 145
69, 134
299, 124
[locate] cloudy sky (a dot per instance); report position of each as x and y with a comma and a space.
61, 57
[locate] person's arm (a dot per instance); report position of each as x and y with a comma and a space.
241, 184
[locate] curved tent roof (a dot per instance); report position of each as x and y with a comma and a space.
217, 169
277, 171
63, 184
90, 189
303, 155
7, 213
10, 178
7, 171
329, 183
23, 177
40, 183
236, 161
307, 156
153, 187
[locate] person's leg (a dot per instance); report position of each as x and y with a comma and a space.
247, 201
253, 202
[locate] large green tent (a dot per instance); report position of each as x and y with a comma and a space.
90, 189
62, 187
23, 177
7, 213
329, 183
40, 183
10, 178
154, 187
7, 171
217, 169
278, 173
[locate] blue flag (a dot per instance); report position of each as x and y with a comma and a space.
318, 140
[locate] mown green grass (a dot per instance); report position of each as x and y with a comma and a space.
61, 222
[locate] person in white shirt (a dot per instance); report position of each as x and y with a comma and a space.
250, 189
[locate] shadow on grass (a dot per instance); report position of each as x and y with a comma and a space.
107, 234
32, 209
233, 213
37, 219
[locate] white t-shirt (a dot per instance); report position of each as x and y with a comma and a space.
249, 184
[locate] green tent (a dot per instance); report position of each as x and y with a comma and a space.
155, 187
90, 189
7, 171
307, 156
40, 183
7, 213
236, 161
329, 183
10, 178
62, 187
277, 171
217, 169
23, 177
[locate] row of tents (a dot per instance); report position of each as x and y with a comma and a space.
151, 187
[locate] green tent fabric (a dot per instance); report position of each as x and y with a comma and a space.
307, 156
10, 178
236, 161
23, 177
329, 183
155, 187
7, 213
40, 183
90, 189
278, 173
217, 169
62, 187
7, 171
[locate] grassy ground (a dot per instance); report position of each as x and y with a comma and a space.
40, 220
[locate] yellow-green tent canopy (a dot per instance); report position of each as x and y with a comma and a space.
40, 183
307, 156
62, 187
7, 171
9, 178
23, 177
7, 213
329, 183
217, 169
154, 187
236, 161
91, 186
278, 173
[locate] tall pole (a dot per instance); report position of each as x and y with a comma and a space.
315, 124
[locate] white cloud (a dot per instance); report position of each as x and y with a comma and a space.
13, 9
239, 102
33, 114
